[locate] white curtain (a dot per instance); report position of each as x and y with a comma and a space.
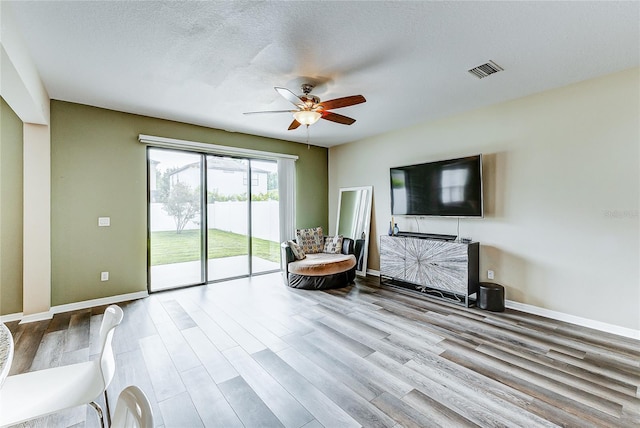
287, 194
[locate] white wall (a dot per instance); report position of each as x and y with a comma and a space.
562, 185
22, 89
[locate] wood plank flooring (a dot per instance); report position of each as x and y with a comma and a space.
254, 353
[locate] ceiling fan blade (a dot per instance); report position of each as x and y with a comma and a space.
294, 125
342, 102
289, 96
338, 118
269, 111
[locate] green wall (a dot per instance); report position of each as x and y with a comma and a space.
10, 210
98, 168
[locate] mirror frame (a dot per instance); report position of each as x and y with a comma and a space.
367, 223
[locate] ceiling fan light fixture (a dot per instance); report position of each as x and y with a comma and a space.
307, 117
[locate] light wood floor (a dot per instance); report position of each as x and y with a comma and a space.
255, 353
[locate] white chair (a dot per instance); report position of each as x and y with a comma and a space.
133, 409
6, 352
40, 393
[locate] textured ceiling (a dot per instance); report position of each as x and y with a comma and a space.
208, 62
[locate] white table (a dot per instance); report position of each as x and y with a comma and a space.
6, 352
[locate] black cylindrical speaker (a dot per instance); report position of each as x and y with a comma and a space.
491, 297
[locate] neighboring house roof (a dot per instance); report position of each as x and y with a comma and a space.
223, 164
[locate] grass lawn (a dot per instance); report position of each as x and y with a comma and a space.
171, 247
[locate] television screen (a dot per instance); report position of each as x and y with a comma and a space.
448, 188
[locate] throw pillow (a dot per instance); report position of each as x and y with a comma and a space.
333, 244
311, 240
297, 251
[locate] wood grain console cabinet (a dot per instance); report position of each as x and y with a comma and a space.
442, 269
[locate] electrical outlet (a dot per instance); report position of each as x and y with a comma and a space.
104, 221
490, 274
104, 276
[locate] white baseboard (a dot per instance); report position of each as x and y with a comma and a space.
73, 307
560, 316
40, 316
100, 302
584, 322
11, 317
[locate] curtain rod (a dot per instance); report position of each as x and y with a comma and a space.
172, 143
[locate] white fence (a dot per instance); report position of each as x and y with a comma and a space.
230, 217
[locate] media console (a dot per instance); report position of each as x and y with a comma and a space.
436, 267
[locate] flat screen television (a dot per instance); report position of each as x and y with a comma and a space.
447, 188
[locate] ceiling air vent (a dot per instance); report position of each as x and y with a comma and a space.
485, 70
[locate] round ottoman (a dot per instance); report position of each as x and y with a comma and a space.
322, 271
491, 297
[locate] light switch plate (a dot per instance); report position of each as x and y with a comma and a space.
104, 221
104, 276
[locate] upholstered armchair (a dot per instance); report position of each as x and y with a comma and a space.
319, 270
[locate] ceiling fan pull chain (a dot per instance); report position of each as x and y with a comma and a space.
308, 145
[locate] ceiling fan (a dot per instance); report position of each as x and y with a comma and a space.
310, 109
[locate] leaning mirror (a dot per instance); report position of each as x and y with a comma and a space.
354, 221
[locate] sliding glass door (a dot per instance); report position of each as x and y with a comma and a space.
174, 218
210, 218
265, 215
227, 217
